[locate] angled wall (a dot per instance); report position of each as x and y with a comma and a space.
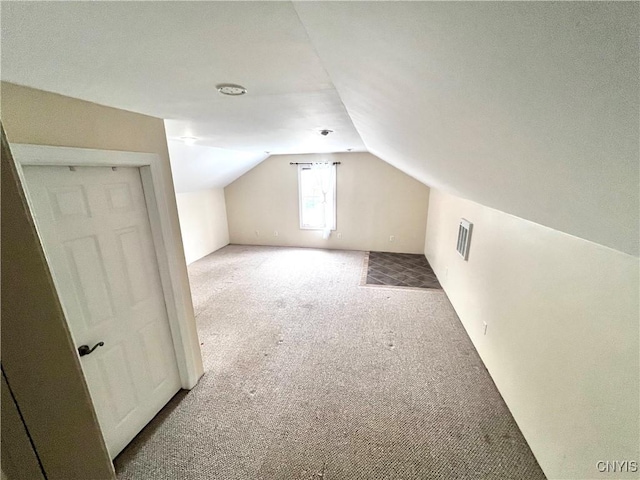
39, 361
38, 356
203, 222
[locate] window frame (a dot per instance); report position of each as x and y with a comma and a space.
309, 166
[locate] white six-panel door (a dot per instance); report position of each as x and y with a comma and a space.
96, 233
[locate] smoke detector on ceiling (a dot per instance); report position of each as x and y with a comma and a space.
231, 89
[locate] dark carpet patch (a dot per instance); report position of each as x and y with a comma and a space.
400, 270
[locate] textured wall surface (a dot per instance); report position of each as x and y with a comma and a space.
562, 331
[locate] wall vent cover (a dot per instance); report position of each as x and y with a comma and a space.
464, 238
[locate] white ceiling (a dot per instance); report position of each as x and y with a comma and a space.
165, 58
527, 107
199, 167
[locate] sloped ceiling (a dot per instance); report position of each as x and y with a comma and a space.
527, 107
199, 167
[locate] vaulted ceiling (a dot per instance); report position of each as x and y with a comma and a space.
527, 107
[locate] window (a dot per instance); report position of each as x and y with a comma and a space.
317, 189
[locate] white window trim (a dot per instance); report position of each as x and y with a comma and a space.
335, 205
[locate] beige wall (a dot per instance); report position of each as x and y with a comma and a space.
38, 356
562, 331
18, 457
374, 202
203, 222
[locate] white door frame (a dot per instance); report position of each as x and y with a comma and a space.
181, 322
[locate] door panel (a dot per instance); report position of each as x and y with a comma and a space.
96, 233
132, 257
115, 375
151, 345
89, 279
69, 201
119, 197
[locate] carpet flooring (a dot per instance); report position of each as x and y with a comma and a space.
311, 376
399, 270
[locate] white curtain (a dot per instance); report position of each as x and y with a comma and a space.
326, 173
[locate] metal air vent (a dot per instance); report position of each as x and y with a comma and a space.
464, 238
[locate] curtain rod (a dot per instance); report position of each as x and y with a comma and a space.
311, 163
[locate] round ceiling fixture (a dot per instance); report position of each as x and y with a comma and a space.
231, 89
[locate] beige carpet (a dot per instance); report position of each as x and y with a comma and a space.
311, 376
